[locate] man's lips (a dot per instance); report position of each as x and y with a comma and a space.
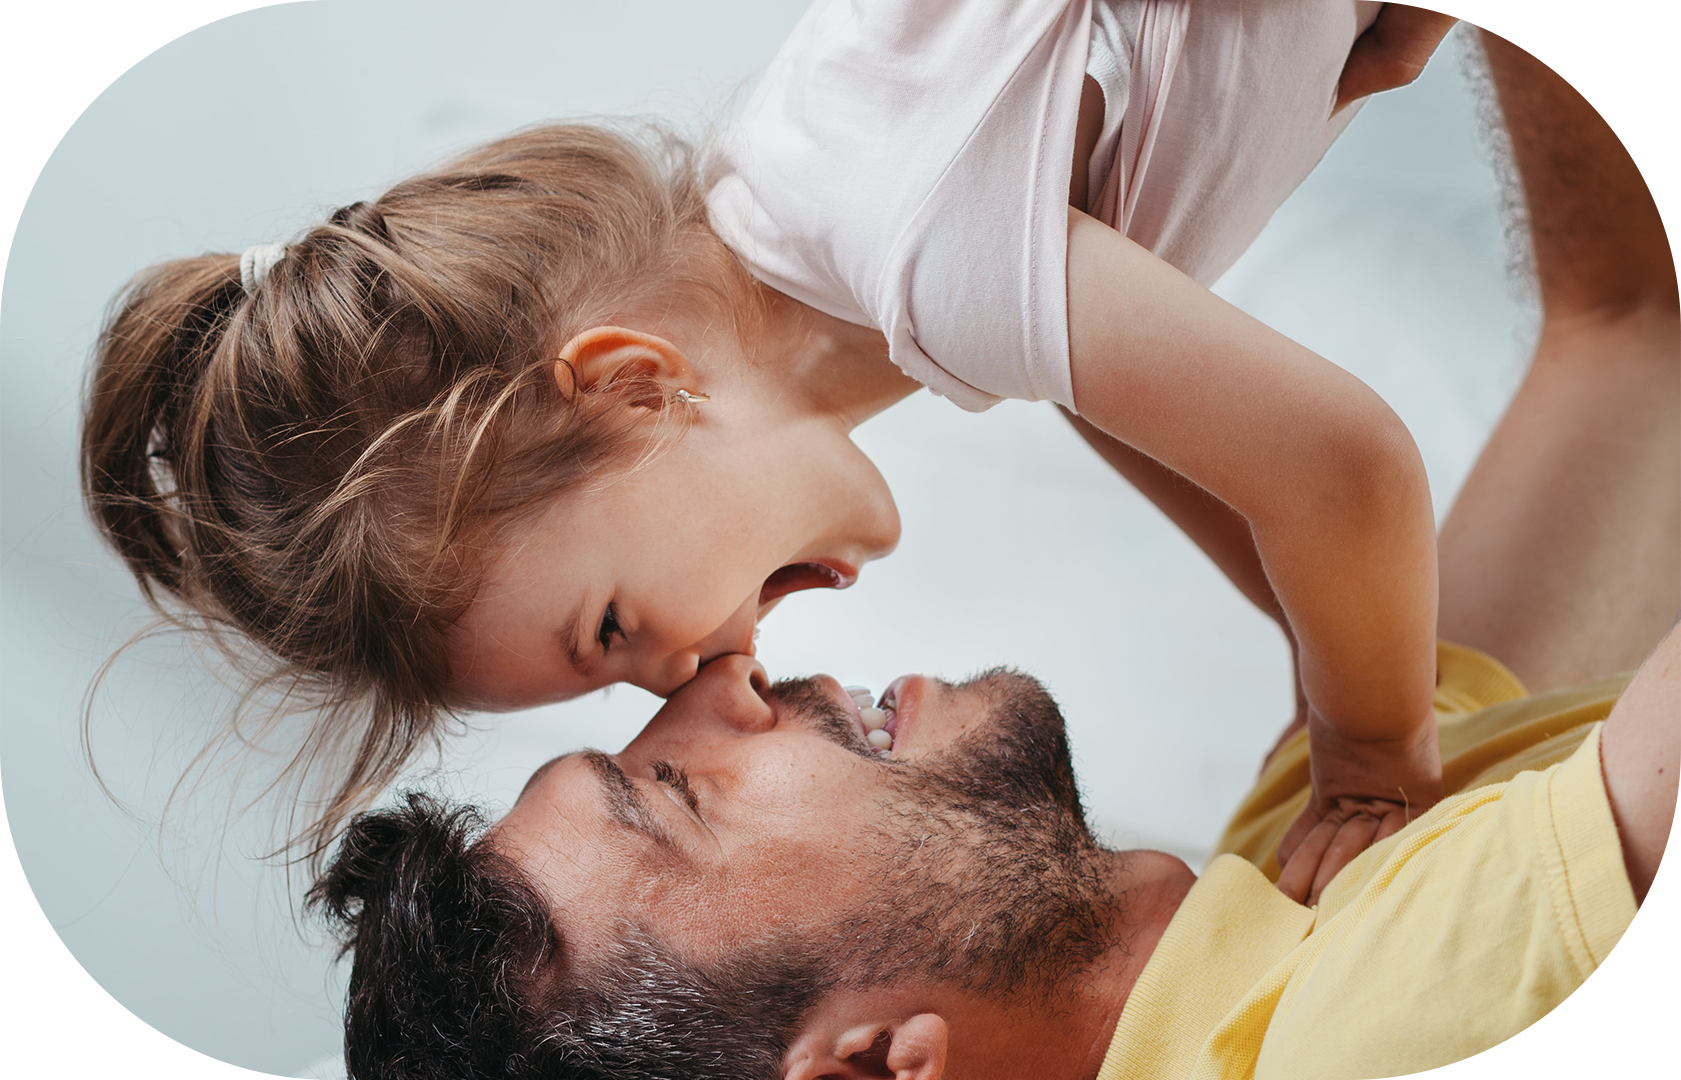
867, 714
901, 700
832, 686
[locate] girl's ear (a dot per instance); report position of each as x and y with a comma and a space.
909, 1049
601, 354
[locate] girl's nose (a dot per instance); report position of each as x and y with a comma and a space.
872, 520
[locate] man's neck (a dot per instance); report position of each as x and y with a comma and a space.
1068, 1039
1154, 885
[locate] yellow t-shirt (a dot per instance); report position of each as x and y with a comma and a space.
1464, 928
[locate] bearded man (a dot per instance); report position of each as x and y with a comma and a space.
752, 889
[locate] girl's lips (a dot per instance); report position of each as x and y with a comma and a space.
796, 577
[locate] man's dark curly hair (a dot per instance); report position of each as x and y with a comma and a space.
460, 973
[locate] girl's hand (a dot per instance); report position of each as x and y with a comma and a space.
1363, 792
1392, 52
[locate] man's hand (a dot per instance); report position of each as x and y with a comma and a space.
1363, 791
1392, 52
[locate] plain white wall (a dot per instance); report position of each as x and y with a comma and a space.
1019, 546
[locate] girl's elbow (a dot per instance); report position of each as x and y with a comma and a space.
1379, 467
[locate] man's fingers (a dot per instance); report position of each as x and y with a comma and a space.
1295, 878
1351, 839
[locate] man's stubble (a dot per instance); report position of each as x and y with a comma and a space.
984, 872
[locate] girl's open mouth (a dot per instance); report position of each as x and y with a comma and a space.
797, 577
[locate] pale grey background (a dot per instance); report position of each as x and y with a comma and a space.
1019, 546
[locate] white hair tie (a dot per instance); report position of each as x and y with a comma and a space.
255, 264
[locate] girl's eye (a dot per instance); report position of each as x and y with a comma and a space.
676, 779
609, 628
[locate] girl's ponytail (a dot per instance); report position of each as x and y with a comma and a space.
145, 388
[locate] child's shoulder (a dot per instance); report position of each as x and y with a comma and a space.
925, 197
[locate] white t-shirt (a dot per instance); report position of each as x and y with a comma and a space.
904, 164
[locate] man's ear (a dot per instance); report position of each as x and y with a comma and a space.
601, 354
912, 1048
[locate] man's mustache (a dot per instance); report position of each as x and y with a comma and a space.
805, 700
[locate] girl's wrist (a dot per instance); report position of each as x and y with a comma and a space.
1404, 768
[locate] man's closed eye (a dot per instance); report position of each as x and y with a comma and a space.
674, 778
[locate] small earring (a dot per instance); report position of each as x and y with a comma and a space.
695, 398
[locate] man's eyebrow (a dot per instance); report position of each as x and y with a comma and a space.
625, 802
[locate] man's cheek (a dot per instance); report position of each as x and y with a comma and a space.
809, 833
785, 888
797, 793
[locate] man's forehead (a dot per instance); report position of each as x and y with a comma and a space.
565, 842
543, 770
556, 800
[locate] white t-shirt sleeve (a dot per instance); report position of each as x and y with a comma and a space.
904, 165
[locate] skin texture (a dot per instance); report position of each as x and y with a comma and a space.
1392, 52
1563, 554
1333, 492
1640, 753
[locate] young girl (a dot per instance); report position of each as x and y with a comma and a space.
562, 413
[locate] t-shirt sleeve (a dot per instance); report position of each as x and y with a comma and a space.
905, 166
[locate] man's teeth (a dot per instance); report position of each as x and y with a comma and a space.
874, 719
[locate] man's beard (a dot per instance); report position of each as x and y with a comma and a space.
985, 873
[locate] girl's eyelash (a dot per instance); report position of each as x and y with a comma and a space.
609, 628
677, 780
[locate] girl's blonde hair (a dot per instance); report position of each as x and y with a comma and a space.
316, 465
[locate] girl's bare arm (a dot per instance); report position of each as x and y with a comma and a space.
1332, 488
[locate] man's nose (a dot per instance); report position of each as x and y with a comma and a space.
729, 690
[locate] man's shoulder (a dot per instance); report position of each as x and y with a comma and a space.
1481, 917
1435, 944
